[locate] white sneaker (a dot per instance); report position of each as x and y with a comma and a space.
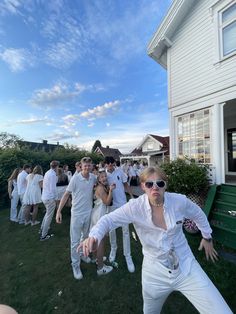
130, 264
27, 223
104, 270
36, 222
112, 255
77, 272
85, 259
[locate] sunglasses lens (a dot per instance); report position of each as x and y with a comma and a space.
160, 183
148, 184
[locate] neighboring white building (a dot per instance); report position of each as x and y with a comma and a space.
196, 43
153, 150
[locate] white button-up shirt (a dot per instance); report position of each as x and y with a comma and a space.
21, 182
157, 242
49, 186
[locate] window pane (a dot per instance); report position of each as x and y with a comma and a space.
230, 13
194, 136
229, 38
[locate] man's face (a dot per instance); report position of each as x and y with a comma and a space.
86, 167
28, 170
110, 167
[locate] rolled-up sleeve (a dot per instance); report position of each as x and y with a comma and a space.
195, 213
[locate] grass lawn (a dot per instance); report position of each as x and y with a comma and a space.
32, 273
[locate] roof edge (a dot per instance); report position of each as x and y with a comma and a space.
161, 41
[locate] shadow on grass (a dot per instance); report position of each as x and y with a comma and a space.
36, 277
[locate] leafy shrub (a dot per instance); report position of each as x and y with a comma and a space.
186, 176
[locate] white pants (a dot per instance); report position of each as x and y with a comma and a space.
126, 239
21, 214
14, 203
79, 229
47, 219
158, 282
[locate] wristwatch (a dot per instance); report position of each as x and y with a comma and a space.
208, 240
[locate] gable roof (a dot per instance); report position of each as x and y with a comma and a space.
107, 151
161, 40
164, 140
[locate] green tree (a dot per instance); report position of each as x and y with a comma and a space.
8, 140
95, 145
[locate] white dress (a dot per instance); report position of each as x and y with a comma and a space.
99, 210
33, 194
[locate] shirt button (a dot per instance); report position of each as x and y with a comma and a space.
169, 272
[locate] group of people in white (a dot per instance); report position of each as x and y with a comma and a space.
99, 206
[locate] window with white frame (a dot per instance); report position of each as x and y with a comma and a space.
227, 30
193, 133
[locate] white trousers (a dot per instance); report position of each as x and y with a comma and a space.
79, 230
14, 203
126, 239
158, 282
47, 219
21, 214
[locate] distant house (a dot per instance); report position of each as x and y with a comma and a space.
196, 43
107, 151
44, 146
153, 150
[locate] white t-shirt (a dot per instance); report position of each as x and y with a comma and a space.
119, 178
21, 182
82, 193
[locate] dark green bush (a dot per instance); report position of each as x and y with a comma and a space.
186, 176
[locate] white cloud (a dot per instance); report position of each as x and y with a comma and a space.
35, 120
108, 124
91, 124
100, 111
57, 135
49, 97
17, 59
59, 94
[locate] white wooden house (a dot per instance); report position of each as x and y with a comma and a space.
196, 43
153, 150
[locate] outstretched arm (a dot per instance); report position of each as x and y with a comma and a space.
61, 205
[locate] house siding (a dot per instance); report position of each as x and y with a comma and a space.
156, 146
193, 71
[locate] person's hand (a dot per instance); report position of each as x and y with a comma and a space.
209, 250
112, 186
59, 217
89, 245
10, 196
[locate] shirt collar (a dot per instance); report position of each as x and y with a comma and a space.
82, 178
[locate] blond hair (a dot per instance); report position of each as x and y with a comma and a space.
150, 171
38, 170
14, 174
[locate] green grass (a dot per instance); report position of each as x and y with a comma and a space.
33, 272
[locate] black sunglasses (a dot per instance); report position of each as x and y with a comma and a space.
158, 183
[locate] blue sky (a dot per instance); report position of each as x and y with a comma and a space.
77, 71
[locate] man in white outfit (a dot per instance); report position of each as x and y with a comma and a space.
119, 178
21, 186
49, 197
81, 188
